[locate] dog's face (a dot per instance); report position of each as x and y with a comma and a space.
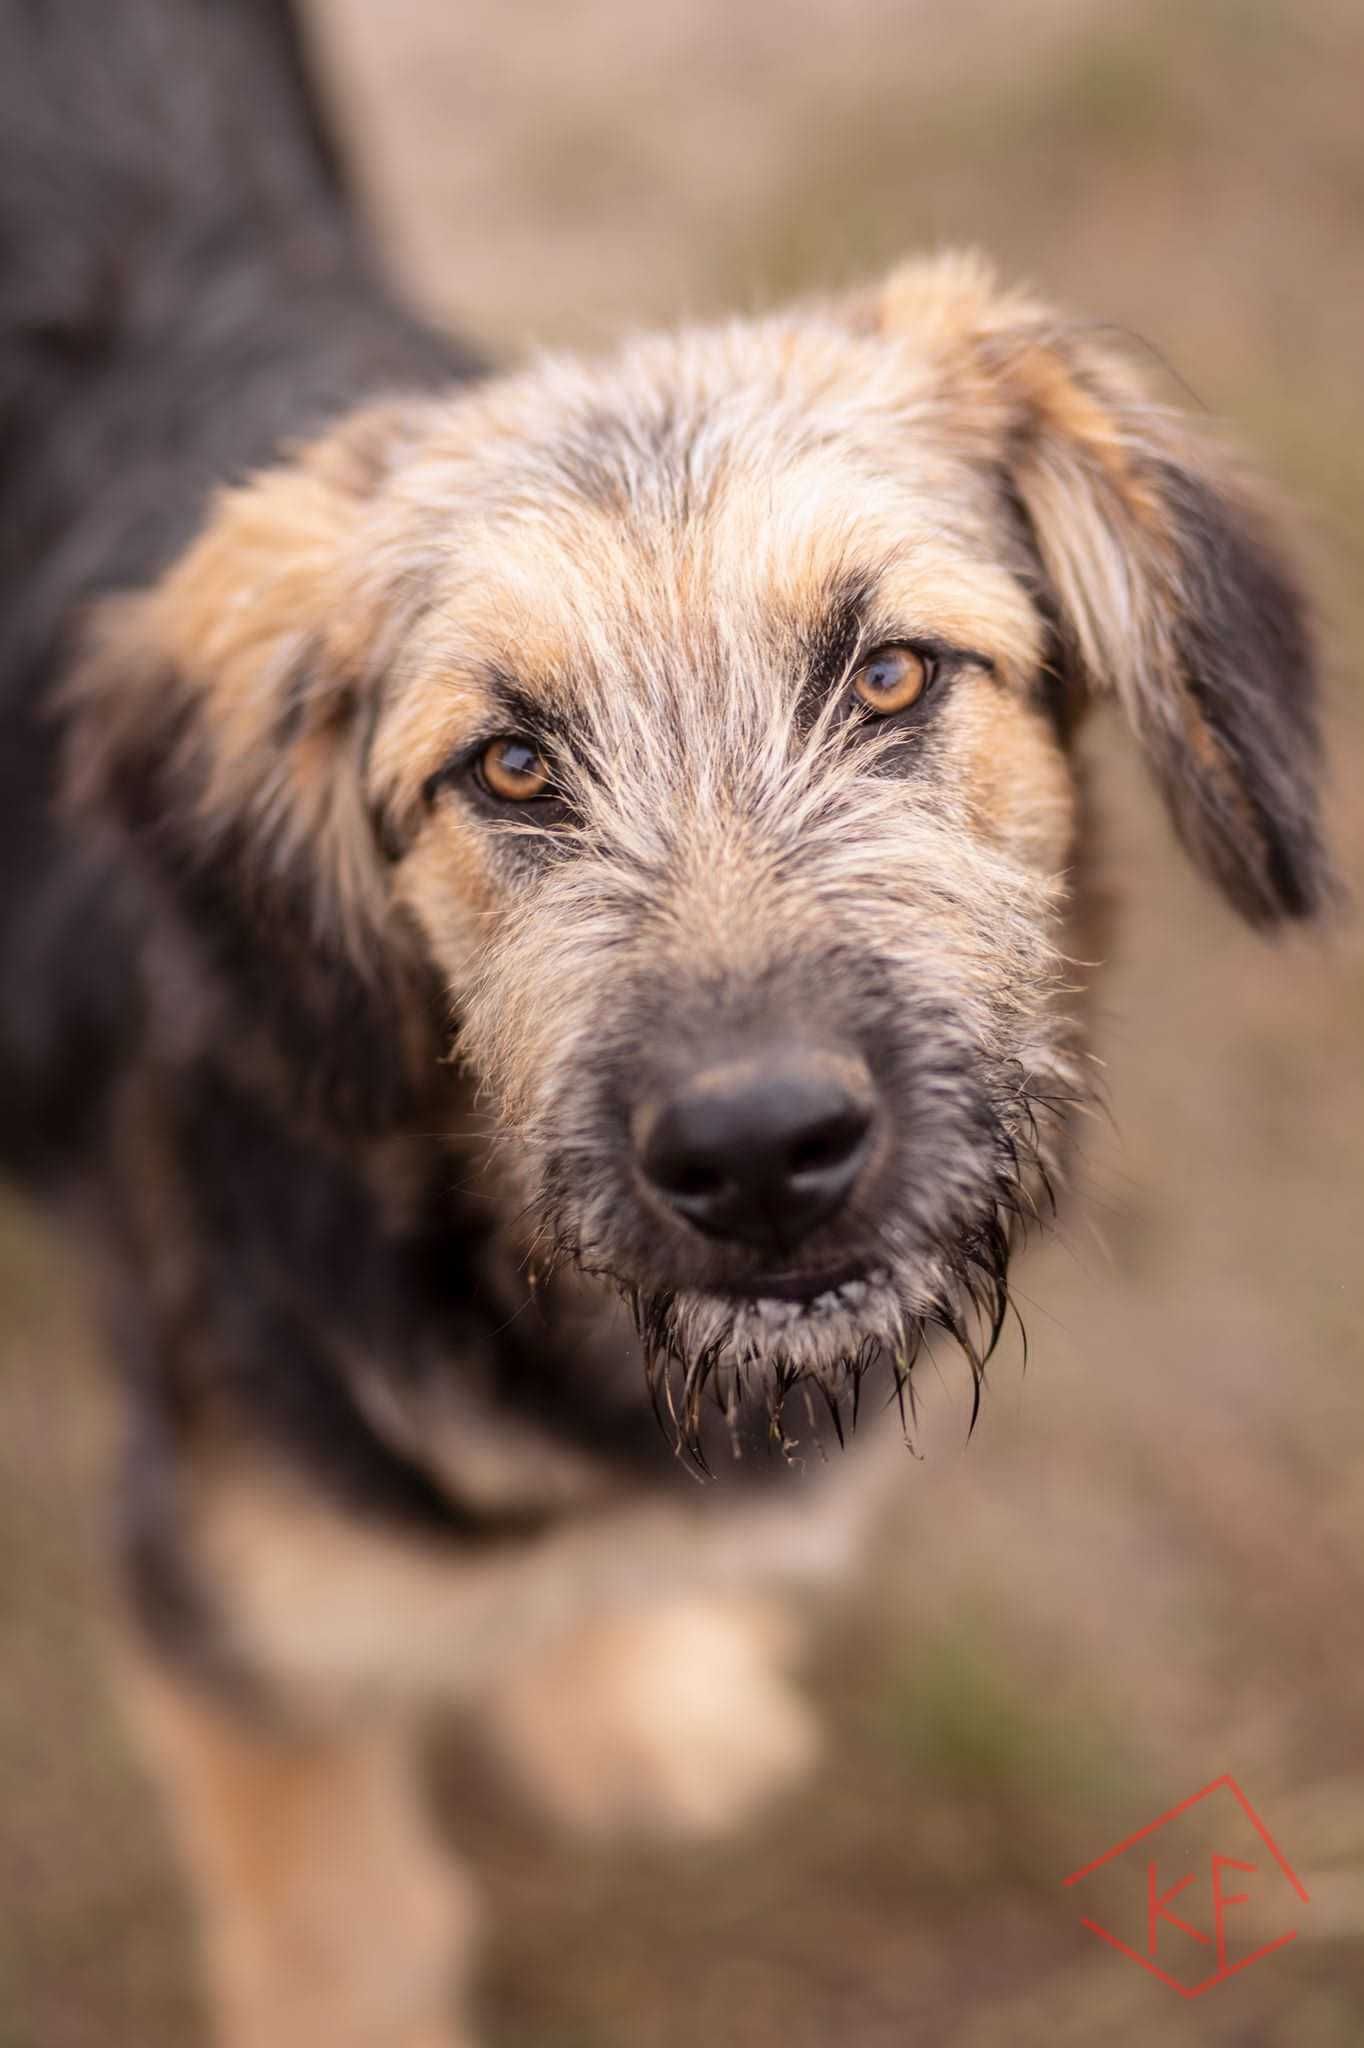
731, 805
700, 719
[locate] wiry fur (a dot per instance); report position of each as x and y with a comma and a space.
640, 562
946, 965
340, 1062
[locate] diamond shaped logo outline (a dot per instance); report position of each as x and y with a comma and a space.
1226, 1782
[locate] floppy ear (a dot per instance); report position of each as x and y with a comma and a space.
1165, 579
219, 721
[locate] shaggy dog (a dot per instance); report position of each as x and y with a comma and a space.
535, 948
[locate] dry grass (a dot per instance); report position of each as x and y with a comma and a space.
1148, 1568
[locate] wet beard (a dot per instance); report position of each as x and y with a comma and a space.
722, 1368
803, 1364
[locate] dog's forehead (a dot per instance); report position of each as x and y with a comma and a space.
725, 488
670, 414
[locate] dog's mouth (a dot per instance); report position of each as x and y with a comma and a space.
809, 1292
736, 1354
816, 1332
811, 1321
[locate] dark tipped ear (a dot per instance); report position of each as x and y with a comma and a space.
1171, 591
1169, 587
216, 733
1243, 784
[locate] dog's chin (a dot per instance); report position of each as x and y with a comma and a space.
726, 1335
761, 1339
829, 1331
735, 1358
817, 1326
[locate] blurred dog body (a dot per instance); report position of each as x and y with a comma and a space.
682, 743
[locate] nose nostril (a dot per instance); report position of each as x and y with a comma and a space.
690, 1182
831, 1145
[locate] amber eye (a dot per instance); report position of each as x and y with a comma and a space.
891, 679
513, 770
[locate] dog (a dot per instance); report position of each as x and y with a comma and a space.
537, 930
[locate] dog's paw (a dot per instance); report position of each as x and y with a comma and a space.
678, 1720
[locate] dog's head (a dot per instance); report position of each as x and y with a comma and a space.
699, 720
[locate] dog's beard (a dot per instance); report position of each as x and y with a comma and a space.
807, 1364
923, 1248
726, 1364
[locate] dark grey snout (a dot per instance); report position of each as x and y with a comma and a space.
762, 1148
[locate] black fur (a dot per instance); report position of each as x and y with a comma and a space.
832, 645
1251, 668
1229, 719
182, 287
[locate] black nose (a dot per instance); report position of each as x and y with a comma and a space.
760, 1149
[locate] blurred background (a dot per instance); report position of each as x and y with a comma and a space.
1147, 1567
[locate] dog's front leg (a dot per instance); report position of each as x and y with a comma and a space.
676, 1720
332, 1919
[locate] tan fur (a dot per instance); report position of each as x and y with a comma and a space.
343, 1615
678, 1720
332, 1920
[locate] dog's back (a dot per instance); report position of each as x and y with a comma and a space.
181, 286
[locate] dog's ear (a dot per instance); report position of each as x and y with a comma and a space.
1162, 573
219, 723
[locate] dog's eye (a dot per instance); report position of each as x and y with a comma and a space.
891, 679
513, 770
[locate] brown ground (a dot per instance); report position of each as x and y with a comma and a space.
1148, 1568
